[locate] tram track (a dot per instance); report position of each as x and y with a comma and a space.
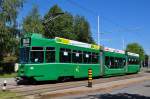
37, 90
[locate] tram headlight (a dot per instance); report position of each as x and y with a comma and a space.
31, 68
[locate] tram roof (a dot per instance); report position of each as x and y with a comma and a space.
76, 43
133, 54
79, 44
107, 49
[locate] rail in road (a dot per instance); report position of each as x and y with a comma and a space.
28, 90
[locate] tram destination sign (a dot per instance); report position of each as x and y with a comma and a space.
25, 42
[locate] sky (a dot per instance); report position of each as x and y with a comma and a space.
121, 21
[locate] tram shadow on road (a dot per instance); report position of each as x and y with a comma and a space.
23, 82
115, 96
148, 71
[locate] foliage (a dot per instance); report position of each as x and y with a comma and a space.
61, 26
12, 75
9, 10
33, 22
67, 26
82, 29
136, 48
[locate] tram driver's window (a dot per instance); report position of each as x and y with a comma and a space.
37, 55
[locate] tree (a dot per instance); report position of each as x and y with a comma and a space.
33, 22
82, 30
61, 26
136, 48
9, 10
67, 26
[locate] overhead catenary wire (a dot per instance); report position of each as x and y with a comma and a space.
93, 13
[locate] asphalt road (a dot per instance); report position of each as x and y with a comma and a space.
137, 91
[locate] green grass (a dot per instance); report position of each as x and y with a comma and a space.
8, 75
8, 95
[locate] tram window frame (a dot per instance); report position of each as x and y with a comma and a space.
50, 54
39, 58
65, 58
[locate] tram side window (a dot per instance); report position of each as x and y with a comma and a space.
86, 57
124, 61
130, 61
107, 61
137, 61
95, 58
133, 61
50, 54
120, 62
112, 62
65, 55
116, 62
76, 56
37, 55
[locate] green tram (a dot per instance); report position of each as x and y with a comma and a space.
43, 59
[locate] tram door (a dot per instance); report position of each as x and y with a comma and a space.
101, 63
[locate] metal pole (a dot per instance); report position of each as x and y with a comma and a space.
123, 44
98, 30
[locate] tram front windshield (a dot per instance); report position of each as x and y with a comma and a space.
24, 55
